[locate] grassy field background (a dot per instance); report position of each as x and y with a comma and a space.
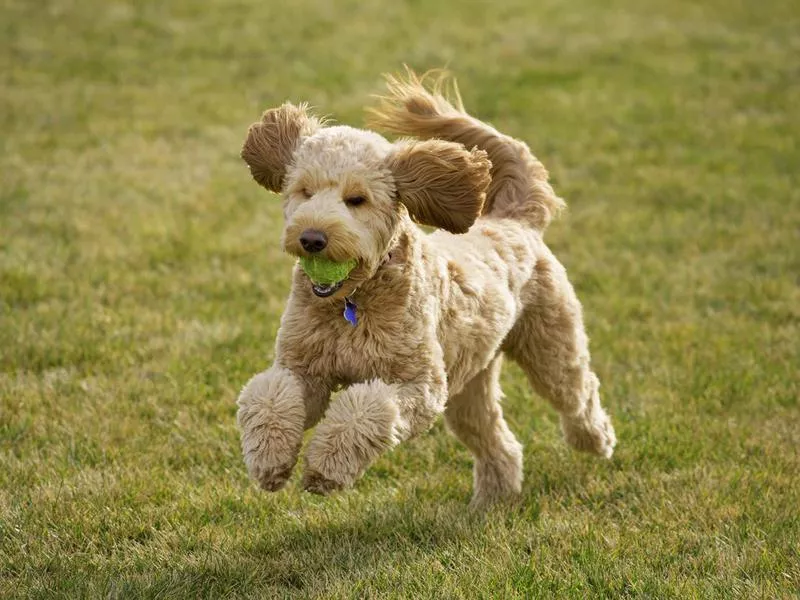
141, 285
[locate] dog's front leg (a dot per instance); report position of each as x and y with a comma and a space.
274, 408
365, 420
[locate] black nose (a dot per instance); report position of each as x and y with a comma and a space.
313, 241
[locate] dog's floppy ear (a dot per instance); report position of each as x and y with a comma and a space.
271, 142
440, 183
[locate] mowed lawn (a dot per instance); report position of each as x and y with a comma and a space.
141, 284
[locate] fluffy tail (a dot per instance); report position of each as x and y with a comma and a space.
519, 187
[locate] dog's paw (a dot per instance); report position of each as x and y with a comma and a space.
271, 479
498, 477
590, 433
482, 501
269, 461
317, 483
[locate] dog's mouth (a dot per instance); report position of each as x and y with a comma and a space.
323, 290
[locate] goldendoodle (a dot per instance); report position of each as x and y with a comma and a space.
420, 323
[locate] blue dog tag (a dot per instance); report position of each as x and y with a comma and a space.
350, 312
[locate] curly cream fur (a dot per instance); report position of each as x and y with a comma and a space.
519, 187
436, 312
272, 141
446, 192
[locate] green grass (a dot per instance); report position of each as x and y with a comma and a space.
141, 285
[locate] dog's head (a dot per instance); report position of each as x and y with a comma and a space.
346, 191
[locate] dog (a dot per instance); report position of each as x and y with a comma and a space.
431, 315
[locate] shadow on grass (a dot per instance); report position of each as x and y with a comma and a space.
342, 549
370, 540
354, 545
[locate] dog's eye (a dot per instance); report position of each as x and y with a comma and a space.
355, 200
306, 193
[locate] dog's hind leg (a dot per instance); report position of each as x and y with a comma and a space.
475, 417
550, 344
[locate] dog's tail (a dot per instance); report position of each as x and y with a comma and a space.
519, 188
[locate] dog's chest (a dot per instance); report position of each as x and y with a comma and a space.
330, 348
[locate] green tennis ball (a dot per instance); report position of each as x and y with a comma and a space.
324, 271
